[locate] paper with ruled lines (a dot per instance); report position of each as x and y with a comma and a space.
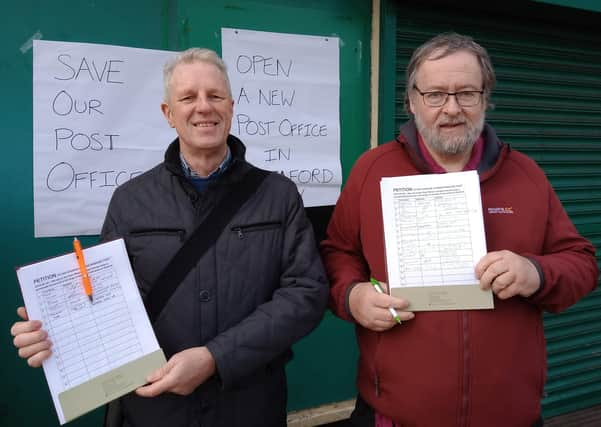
434, 235
101, 349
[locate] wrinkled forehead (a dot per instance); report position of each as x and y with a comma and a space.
198, 66
198, 74
441, 67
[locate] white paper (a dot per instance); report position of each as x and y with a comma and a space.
97, 123
433, 227
88, 339
286, 90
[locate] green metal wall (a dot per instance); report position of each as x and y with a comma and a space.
24, 396
593, 5
323, 369
548, 105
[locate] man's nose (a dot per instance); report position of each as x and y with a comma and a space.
202, 103
451, 107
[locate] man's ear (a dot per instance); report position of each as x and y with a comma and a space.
411, 108
167, 113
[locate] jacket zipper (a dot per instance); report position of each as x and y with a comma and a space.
463, 414
376, 376
259, 226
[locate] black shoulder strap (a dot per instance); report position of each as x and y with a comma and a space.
203, 238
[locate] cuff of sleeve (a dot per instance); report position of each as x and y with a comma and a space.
347, 295
218, 365
541, 277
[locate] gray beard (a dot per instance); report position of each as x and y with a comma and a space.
453, 145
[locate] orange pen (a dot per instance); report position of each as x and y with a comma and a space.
85, 278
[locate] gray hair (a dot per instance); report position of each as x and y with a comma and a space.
444, 45
190, 56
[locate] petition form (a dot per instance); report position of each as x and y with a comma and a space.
101, 349
434, 236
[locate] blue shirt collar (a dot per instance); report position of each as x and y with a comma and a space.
190, 173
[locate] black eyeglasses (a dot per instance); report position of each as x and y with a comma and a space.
465, 98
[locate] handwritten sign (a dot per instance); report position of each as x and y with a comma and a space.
286, 91
96, 124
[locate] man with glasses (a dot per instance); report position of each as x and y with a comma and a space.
456, 367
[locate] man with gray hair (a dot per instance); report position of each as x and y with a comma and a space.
226, 318
461, 367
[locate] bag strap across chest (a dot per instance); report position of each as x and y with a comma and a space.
203, 238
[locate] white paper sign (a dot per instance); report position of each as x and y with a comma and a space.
96, 123
286, 92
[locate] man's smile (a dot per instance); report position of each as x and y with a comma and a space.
204, 124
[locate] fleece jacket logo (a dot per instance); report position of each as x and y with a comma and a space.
505, 210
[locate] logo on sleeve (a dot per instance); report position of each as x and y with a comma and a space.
504, 210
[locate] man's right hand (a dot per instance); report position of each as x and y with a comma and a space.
182, 373
31, 340
371, 308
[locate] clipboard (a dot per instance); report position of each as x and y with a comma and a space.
102, 349
434, 236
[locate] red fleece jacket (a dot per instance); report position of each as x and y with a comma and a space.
460, 368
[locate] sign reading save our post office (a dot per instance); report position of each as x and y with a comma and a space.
97, 123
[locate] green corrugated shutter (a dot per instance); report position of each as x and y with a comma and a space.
548, 105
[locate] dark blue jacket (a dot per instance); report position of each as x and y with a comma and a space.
258, 290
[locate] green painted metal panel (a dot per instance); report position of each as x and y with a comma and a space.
548, 105
323, 370
593, 5
24, 396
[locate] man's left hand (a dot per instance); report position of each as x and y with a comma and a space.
507, 274
182, 373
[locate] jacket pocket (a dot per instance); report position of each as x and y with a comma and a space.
242, 230
252, 254
168, 232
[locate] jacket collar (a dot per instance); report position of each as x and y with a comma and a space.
172, 159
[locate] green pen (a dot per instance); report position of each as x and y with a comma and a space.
395, 315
